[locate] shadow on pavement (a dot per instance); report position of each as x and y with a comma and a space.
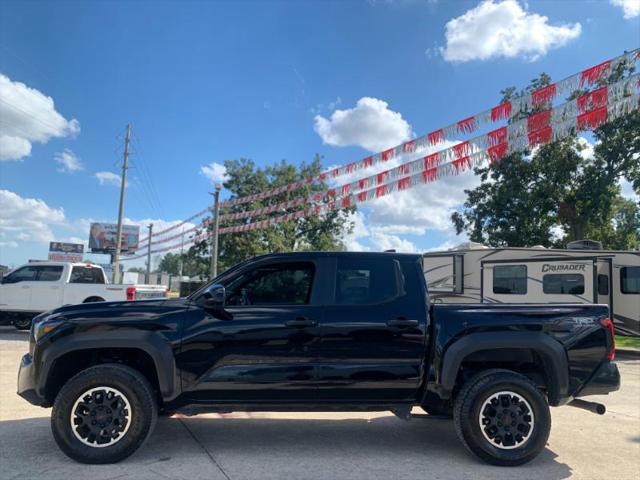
9, 333
264, 448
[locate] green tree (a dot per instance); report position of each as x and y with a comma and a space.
524, 198
311, 232
137, 270
170, 263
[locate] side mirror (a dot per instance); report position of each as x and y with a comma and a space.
213, 297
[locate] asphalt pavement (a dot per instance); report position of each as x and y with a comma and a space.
321, 445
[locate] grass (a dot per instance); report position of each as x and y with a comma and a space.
626, 342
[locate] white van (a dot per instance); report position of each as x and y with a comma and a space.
41, 286
473, 273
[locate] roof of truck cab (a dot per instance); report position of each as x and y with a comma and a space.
315, 253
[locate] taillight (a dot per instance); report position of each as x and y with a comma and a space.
608, 324
131, 293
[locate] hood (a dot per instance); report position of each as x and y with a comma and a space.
144, 307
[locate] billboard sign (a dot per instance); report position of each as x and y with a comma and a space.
102, 238
65, 252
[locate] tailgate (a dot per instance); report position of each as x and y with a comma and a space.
143, 292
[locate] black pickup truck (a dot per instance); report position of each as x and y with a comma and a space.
316, 331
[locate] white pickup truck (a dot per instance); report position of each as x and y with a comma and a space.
38, 287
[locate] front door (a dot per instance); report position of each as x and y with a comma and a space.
374, 331
263, 348
15, 291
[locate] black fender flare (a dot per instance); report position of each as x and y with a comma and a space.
151, 343
552, 353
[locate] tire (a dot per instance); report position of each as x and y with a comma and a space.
22, 322
85, 394
523, 406
93, 300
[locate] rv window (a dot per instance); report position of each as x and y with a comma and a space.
563, 283
510, 279
630, 279
603, 284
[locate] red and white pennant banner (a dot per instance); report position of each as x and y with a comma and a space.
523, 103
587, 120
524, 132
586, 112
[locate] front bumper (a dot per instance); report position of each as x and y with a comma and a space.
27, 386
605, 380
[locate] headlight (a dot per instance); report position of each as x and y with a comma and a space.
46, 325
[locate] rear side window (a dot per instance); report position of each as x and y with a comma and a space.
49, 273
563, 283
510, 279
368, 281
630, 279
86, 275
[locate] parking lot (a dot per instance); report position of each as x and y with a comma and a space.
321, 445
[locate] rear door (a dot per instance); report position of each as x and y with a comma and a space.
373, 331
46, 290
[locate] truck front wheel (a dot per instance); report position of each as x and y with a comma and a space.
502, 417
103, 414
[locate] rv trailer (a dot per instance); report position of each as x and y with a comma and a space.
582, 273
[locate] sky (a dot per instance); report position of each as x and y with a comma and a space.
202, 82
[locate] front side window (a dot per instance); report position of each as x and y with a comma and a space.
361, 282
286, 284
49, 273
86, 275
563, 283
24, 274
510, 279
630, 279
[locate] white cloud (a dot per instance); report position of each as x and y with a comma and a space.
503, 29
13, 148
215, 172
631, 8
382, 242
28, 116
585, 148
370, 125
27, 219
360, 231
69, 161
108, 178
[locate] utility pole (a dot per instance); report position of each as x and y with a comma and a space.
214, 237
125, 167
148, 275
181, 252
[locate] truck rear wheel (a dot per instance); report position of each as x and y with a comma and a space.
103, 414
502, 417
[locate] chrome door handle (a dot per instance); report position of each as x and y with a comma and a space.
301, 322
402, 323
